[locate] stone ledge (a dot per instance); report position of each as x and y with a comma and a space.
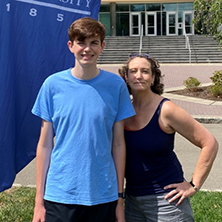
208, 120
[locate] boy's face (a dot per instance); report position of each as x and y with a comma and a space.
87, 51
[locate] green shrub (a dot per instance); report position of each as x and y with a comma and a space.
217, 77
216, 89
191, 83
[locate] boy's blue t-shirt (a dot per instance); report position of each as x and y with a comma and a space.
83, 112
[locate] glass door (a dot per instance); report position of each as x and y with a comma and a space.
105, 19
187, 18
150, 23
135, 23
171, 23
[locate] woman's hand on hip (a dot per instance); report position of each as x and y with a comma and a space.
180, 191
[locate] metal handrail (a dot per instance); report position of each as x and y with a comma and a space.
141, 39
187, 42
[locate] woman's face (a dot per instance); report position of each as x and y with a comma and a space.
139, 74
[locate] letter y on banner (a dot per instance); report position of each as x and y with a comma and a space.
33, 39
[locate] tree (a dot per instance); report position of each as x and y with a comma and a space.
208, 18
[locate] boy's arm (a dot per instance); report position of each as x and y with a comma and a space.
119, 156
44, 149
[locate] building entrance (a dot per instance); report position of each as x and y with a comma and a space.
149, 19
151, 24
135, 23
172, 23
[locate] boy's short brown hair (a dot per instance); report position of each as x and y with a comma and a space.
86, 27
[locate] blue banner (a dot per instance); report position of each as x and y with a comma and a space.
33, 45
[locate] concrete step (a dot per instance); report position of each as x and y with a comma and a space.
167, 49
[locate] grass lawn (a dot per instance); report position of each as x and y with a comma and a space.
17, 203
207, 206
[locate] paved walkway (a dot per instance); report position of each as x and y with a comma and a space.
204, 110
175, 74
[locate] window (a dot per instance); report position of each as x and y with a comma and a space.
137, 8
153, 7
122, 24
169, 7
104, 8
105, 19
122, 8
185, 6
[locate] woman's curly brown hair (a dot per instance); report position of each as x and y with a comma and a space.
157, 86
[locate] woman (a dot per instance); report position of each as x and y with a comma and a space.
155, 185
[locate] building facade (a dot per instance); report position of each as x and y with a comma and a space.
149, 18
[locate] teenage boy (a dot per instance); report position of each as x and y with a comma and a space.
78, 180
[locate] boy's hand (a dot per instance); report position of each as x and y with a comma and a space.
120, 211
39, 214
